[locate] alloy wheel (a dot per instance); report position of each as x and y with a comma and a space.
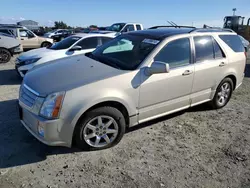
224, 94
100, 131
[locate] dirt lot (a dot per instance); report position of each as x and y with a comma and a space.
195, 148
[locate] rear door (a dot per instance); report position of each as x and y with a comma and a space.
210, 61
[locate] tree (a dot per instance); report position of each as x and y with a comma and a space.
60, 25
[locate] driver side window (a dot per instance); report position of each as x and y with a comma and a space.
176, 53
26, 33
88, 43
129, 28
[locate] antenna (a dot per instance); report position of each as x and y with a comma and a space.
171, 23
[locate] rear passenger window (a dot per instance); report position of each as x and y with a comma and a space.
218, 53
204, 49
138, 27
175, 53
234, 42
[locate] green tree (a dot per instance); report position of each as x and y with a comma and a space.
60, 25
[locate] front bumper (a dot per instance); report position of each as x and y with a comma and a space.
51, 128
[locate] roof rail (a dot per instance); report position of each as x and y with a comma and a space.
10, 26
201, 30
175, 26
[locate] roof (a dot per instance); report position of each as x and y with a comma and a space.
161, 33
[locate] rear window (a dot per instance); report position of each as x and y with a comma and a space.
234, 42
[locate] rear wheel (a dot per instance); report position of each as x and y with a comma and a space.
5, 55
100, 128
223, 93
46, 44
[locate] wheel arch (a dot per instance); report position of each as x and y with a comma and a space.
112, 103
233, 78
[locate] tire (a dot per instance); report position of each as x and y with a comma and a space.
45, 44
86, 138
5, 55
217, 101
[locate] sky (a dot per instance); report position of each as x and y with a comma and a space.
106, 12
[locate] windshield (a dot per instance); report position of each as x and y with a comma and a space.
66, 43
125, 51
116, 27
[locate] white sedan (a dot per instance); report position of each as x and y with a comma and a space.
73, 45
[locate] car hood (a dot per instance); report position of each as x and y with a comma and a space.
37, 53
67, 73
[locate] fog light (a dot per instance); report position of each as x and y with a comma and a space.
40, 129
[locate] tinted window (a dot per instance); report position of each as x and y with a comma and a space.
218, 53
116, 27
5, 31
203, 48
138, 27
105, 39
88, 43
234, 42
125, 51
175, 53
66, 43
129, 28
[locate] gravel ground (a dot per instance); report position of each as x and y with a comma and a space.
194, 148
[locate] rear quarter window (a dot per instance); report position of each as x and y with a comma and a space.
234, 42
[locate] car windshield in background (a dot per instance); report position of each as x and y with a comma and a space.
66, 43
116, 27
125, 52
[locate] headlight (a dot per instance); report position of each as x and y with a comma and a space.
30, 61
18, 48
52, 105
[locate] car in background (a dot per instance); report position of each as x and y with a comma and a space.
9, 46
158, 72
73, 45
58, 35
125, 27
27, 38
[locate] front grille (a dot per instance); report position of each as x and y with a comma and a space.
27, 97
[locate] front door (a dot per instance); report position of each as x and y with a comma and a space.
28, 39
209, 64
161, 94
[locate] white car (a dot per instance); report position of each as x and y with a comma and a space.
73, 45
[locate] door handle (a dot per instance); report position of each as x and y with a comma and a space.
187, 72
22, 39
222, 64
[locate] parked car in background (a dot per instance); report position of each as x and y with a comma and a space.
161, 71
58, 35
9, 46
73, 45
27, 38
125, 27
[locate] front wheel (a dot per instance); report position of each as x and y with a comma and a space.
100, 128
223, 93
5, 55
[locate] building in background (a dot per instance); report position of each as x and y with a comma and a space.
29, 24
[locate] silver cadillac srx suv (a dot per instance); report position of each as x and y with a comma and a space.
90, 100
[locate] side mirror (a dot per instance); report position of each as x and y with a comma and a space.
75, 48
157, 67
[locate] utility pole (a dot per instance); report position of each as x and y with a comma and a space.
234, 10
